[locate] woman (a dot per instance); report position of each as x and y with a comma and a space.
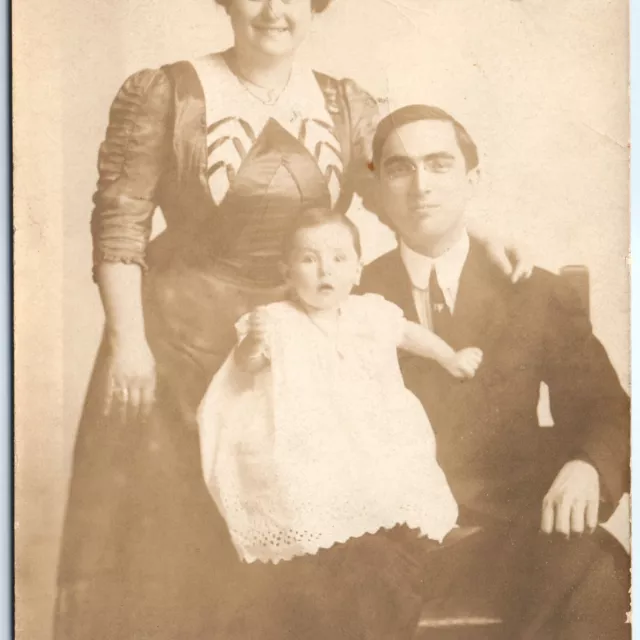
230, 147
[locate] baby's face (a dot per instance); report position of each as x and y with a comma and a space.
323, 266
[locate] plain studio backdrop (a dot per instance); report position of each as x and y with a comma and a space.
540, 84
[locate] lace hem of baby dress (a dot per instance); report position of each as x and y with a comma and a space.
274, 545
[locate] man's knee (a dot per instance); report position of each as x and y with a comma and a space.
580, 587
597, 606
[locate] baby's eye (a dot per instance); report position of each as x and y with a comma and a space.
339, 257
307, 259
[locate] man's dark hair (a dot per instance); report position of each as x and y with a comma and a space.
417, 113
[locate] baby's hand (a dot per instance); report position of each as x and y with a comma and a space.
464, 363
251, 355
258, 324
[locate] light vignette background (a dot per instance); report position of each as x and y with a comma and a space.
540, 84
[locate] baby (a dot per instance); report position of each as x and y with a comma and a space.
308, 435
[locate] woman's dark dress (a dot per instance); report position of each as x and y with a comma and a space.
145, 554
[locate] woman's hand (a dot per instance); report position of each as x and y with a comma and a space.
511, 259
131, 382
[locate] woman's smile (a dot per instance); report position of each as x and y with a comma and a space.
271, 28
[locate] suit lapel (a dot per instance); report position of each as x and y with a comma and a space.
479, 316
480, 311
398, 288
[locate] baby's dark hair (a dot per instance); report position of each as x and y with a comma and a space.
317, 6
317, 217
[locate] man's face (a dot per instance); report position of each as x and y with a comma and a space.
424, 182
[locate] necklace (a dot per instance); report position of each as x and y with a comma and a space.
256, 90
272, 95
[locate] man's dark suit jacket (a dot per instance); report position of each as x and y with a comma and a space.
498, 460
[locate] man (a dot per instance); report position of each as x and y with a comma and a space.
531, 496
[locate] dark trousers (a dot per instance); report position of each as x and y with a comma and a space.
543, 587
369, 588
375, 587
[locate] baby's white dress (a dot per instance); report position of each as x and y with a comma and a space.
326, 443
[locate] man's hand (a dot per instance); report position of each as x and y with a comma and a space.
571, 505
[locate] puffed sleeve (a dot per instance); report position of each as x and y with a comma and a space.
364, 115
130, 163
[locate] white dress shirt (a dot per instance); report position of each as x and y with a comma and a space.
448, 268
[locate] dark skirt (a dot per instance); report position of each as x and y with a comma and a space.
144, 549
145, 553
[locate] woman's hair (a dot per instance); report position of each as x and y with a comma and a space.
318, 217
317, 6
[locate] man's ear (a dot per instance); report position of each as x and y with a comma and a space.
372, 192
473, 176
376, 189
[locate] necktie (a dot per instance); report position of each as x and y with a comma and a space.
440, 313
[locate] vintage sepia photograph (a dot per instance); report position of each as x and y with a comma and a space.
322, 320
